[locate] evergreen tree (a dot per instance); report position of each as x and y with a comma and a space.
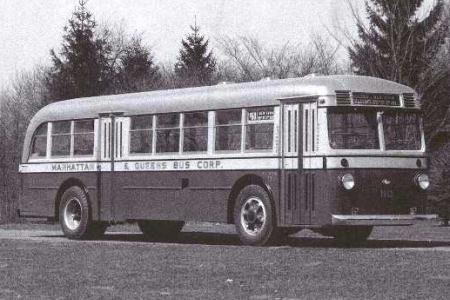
81, 69
137, 71
195, 66
397, 45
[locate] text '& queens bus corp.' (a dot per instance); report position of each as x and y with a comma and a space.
336, 154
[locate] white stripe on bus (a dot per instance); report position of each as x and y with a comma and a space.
223, 164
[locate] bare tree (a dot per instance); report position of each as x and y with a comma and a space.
253, 61
18, 104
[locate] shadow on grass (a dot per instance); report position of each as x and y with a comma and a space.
225, 239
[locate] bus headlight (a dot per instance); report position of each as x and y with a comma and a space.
348, 182
423, 181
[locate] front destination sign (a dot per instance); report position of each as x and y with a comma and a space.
376, 99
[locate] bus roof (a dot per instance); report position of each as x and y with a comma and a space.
221, 96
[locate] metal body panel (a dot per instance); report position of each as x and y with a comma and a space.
203, 195
40, 190
187, 195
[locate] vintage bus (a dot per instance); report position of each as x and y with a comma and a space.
336, 154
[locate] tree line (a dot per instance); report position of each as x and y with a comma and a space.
394, 42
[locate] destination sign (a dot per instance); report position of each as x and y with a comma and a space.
260, 115
376, 99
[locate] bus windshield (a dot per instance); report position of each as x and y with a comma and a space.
401, 130
358, 129
353, 129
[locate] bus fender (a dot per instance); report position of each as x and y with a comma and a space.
239, 185
63, 187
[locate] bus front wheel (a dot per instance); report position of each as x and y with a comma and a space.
75, 215
253, 217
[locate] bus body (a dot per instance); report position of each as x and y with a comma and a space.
328, 152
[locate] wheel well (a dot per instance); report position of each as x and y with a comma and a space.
63, 187
238, 186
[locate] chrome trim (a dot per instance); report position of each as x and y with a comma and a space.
380, 220
370, 162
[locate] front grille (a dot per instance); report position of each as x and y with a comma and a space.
384, 192
343, 98
408, 100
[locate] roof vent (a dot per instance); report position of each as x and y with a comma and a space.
343, 98
408, 100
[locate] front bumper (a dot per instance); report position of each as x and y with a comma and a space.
379, 220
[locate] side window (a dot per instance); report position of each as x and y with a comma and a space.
195, 132
141, 134
39, 142
228, 130
61, 138
168, 133
259, 128
83, 139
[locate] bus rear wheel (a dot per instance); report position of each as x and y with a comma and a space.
253, 217
160, 230
352, 235
75, 215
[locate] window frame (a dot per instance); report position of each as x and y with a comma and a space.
402, 111
183, 127
375, 111
380, 128
246, 123
153, 137
69, 134
242, 137
71, 157
180, 120
72, 139
47, 154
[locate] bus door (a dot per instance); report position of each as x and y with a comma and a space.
111, 151
291, 209
296, 183
309, 142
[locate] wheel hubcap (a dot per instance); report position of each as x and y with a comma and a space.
72, 214
253, 216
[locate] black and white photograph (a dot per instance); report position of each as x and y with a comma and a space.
225, 149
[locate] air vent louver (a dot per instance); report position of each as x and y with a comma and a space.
408, 100
343, 98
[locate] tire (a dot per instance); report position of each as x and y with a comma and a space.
75, 215
160, 230
352, 235
254, 217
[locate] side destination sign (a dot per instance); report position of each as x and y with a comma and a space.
376, 99
260, 115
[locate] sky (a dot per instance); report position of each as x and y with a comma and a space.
30, 28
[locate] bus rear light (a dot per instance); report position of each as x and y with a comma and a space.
348, 182
422, 181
